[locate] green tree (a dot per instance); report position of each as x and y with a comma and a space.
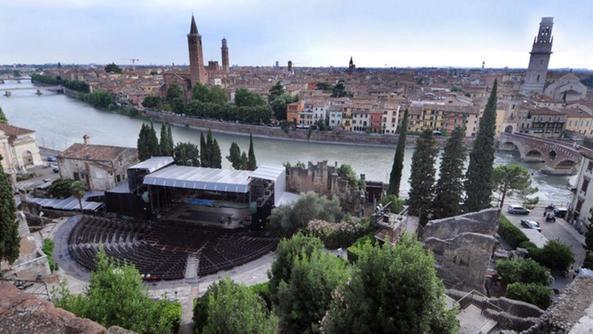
234, 156
112, 68
176, 99
9, 234
201, 92
276, 91
151, 102
449, 188
304, 299
251, 161
148, 143
554, 255
536, 294
511, 178
166, 144
479, 177
339, 90
245, 98
423, 175
398, 160
286, 220
522, 270
286, 255
204, 151
392, 290
60, 188
78, 190
346, 172
116, 296
215, 154
186, 154
230, 308
218, 95
3, 118
99, 99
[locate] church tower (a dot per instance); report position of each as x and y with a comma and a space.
225, 56
535, 79
196, 59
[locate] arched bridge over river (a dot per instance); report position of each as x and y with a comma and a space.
560, 157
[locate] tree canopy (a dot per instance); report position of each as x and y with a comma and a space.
186, 154
112, 68
449, 188
391, 290
9, 235
251, 161
245, 98
511, 178
148, 143
166, 143
3, 118
398, 160
479, 177
231, 308
422, 177
116, 296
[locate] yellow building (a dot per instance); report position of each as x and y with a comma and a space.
578, 121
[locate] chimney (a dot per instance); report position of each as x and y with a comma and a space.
86, 139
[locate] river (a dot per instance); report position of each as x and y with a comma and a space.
60, 121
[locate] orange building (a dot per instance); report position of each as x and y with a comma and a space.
293, 112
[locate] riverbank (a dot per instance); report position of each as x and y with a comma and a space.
272, 132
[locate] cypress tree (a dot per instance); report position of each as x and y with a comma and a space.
422, 178
251, 162
152, 141
210, 149
216, 156
141, 145
3, 117
203, 152
479, 176
244, 160
166, 144
235, 156
9, 229
398, 160
449, 188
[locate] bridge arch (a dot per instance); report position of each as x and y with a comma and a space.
509, 146
566, 164
534, 155
508, 129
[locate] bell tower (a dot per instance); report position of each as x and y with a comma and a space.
535, 78
225, 56
196, 59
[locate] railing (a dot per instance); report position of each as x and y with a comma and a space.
486, 300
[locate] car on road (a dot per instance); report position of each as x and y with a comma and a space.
532, 224
517, 210
51, 158
560, 212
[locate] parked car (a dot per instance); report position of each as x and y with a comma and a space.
560, 212
517, 210
532, 224
51, 158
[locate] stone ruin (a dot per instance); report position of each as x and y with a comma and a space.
323, 179
21, 312
463, 247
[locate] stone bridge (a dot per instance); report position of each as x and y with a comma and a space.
559, 157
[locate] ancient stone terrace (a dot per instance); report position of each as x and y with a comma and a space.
161, 250
560, 157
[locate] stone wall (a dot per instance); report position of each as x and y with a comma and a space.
463, 247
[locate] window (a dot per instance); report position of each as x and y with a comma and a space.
585, 185
590, 166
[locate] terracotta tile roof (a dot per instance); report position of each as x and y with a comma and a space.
94, 152
13, 131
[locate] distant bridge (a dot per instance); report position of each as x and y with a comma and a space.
559, 157
51, 88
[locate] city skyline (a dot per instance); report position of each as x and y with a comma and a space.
376, 34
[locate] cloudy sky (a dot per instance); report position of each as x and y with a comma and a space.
310, 32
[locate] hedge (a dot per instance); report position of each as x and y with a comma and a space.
523, 271
532, 293
510, 233
554, 255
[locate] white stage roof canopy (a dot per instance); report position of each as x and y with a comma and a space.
200, 178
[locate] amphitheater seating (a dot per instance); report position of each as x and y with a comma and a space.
160, 250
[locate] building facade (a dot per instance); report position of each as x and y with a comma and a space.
540, 122
99, 167
580, 209
18, 148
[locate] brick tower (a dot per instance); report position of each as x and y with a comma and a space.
535, 79
196, 59
225, 56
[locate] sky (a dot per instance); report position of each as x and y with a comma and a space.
376, 33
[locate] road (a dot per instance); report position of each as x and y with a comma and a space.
559, 230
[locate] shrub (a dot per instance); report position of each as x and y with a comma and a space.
528, 245
342, 234
510, 233
60, 188
358, 247
523, 271
532, 293
263, 291
555, 255
396, 204
286, 220
48, 249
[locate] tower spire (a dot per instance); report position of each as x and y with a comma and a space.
193, 28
